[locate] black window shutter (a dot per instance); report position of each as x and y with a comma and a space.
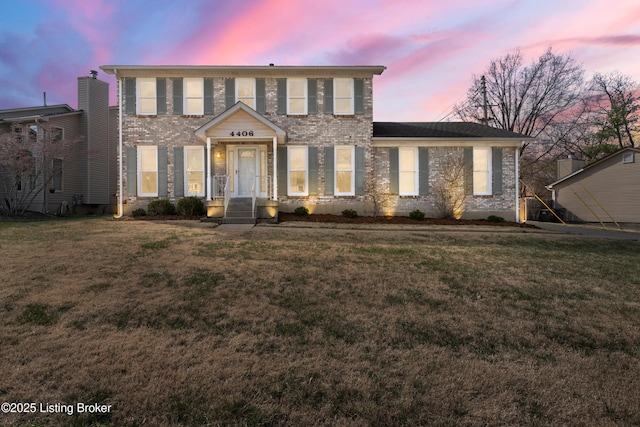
360, 172
329, 169
312, 96
261, 96
282, 96
130, 95
178, 171
208, 96
468, 170
229, 92
423, 174
313, 171
358, 101
177, 96
328, 96
394, 170
282, 171
132, 171
496, 164
161, 95
163, 182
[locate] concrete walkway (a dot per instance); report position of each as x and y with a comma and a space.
589, 230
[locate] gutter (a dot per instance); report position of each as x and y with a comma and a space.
120, 202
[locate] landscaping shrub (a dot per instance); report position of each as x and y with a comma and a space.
161, 207
139, 212
350, 213
495, 218
191, 206
417, 214
302, 211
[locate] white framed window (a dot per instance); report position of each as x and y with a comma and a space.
56, 182
344, 171
343, 96
194, 171
246, 91
296, 96
57, 134
408, 171
146, 89
193, 96
298, 171
482, 171
627, 157
148, 171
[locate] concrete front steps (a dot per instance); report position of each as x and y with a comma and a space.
239, 212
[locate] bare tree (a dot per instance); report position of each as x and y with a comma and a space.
528, 99
449, 193
31, 161
616, 102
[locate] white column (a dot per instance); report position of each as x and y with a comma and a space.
208, 168
275, 168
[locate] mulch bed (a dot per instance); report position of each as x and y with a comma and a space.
284, 217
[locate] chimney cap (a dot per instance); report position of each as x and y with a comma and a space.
94, 74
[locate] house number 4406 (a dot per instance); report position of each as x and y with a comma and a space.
242, 133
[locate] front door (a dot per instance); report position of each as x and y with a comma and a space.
246, 171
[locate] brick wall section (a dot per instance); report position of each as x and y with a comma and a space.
318, 130
476, 206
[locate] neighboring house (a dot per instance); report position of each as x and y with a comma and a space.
85, 176
604, 191
265, 139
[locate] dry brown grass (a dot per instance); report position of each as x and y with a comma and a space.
180, 324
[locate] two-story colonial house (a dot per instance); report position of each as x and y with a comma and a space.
271, 138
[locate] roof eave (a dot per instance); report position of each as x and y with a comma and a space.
244, 70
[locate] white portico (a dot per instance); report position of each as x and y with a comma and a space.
240, 152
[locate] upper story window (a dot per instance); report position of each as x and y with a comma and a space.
343, 96
297, 96
193, 96
146, 90
246, 91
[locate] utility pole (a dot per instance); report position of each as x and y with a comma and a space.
483, 86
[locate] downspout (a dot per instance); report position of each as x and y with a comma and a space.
517, 160
120, 190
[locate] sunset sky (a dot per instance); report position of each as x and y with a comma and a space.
431, 48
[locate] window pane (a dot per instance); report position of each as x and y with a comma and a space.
195, 182
147, 105
296, 106
245, 87
296, 88
193, 87
194, 106
480, 182
148, 159
481, 159
343, 158
297, 158
195, 159
247, 101
407, 182
343, 106
343, 87
149, 182
297, 182
148, 88
407, 160
343, 182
